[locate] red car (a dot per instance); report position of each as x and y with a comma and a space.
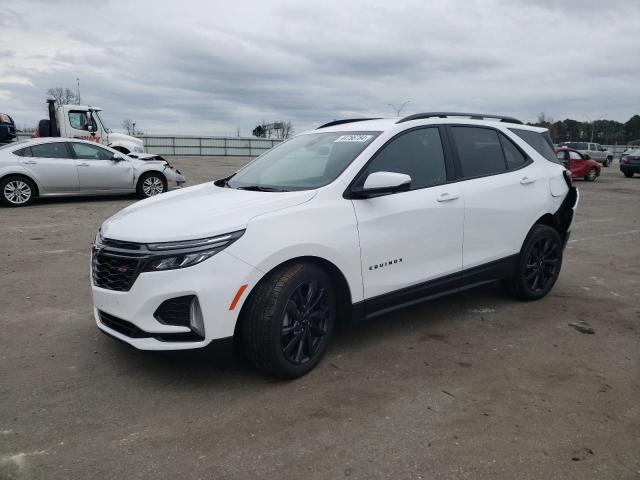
579, 164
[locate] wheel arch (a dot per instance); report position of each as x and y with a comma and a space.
4, 176
344, 296
147, 172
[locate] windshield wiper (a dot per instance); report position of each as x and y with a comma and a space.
260, 188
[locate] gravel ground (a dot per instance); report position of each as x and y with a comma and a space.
476, 385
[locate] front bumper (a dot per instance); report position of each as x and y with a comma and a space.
214, 282
175, 179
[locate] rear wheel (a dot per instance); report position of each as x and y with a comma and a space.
591, 175
538, 265
151, 184
17, 191
628, 174
288, 320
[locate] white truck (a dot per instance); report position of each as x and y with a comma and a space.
83, 121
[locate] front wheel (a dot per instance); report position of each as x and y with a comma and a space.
608, 161
289, 319
151, 184
539, 264
17, 191
591, 175
628, 174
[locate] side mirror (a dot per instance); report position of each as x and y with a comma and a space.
118, 158
382, 183
90, 128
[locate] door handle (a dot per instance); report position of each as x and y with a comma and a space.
447, 197
30, 162
82, 164
527, 180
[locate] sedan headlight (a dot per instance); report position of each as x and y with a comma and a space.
172, 255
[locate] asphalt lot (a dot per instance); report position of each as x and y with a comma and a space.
476, 385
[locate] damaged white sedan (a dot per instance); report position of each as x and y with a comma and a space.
47, 167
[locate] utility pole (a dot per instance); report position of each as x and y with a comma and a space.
398, 110
78, 90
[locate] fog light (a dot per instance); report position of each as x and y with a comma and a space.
195, 317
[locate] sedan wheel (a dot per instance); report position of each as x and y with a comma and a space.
17, 192
151, 185
591, 176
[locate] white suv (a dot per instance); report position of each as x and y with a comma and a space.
348, 221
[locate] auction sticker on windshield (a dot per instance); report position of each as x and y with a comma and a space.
353, 138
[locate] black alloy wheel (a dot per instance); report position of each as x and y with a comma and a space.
539, 264
542, 264
287, 321
305, 323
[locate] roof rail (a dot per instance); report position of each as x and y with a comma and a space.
346, 120
474, 116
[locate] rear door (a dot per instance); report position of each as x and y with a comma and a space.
98, 171
408, 238
52, 166
503, 191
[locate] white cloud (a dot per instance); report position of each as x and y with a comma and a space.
207, 67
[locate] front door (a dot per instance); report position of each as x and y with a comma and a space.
52, 166
409, 238
98, 171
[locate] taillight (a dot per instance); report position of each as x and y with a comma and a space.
568, 178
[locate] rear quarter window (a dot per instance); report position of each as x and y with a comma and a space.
540, 142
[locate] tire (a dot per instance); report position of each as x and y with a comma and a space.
628, 174
608, 161
591, 175
539, 264
280, 334
17, 191
151, 184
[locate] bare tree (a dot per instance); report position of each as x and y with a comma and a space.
127, 124
287, 130
63, 96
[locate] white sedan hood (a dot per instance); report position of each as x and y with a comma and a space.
196, 212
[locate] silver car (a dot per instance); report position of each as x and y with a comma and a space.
48, 167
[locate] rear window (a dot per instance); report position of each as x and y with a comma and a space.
540, 142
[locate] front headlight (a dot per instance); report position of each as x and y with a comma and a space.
187, 253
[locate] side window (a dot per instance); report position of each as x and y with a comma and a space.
50, 150
575, 156
417, 153
562, 155
78, 120
479, 151
23, 152
514, 157
90, 152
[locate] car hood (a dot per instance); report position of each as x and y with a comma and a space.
121, 137
196, 212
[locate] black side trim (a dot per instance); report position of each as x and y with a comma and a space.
346, 120
470, 278
474, 116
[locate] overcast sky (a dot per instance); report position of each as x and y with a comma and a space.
209, 67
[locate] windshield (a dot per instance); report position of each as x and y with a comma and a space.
108, 130
303, 162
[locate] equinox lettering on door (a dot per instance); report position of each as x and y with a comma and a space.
385, 264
